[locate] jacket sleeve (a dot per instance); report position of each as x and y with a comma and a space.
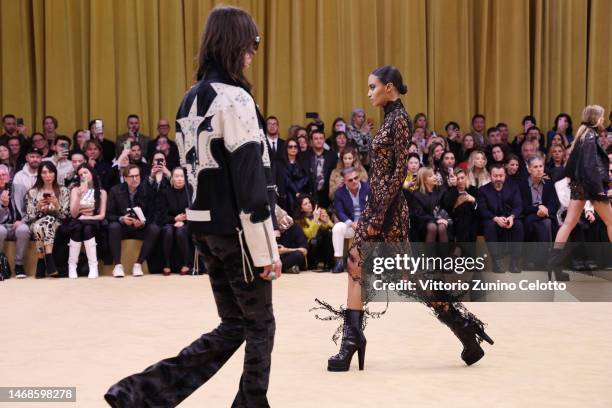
591, 177
483, 205
517, 203
112, 213
339, 208
248, 155
526, 200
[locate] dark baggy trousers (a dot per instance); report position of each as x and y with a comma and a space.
246, 313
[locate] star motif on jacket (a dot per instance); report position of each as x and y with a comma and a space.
197, 143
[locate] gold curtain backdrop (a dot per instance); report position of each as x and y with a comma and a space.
83, 59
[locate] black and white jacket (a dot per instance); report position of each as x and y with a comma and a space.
222, 145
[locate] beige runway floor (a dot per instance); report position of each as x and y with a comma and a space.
90, 333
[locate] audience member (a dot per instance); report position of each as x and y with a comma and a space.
477, 173
72, 179
461, 204
25, 179
478, 129
562, 126
555, 165
500, 209
276, 145
414, 164
296, 180
17, 152
50, 126
349, 201
348, 158
87, 211
175, 201
319, 163
38, 141
93, 154
163, 131
107, 147
360, 131
159, 177
47, 206
292, 243
317, 227
60, 158
127, 202
79, 138
133, 135
12, 228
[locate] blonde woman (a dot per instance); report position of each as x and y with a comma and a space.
348, 158
477, 173
588, 171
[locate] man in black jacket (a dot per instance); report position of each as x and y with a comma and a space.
124, 222
319, 163
500, 209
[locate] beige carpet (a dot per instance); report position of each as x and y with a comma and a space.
90, 333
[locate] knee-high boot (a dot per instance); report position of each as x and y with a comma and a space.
92, 257
468, 329
73, 258
353, 340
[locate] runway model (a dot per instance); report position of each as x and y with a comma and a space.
221, 143
385, 219
588, 170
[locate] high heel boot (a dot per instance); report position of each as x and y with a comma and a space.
469, 331
555, 264
353, 341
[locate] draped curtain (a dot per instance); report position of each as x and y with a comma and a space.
83, 59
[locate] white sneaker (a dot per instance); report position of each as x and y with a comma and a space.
137, 270
118, 271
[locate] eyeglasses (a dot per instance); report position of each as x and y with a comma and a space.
133, 176
256, 43
352, 179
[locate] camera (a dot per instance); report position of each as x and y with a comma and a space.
159, 162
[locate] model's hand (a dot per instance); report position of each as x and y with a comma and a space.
276, 267
590, 217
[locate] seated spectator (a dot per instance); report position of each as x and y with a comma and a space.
497, 155
50, 125
512, 169
317, 226
453, 138
163, 144
134, 135
349, 158
136, 157
38, 141
11, 226
540, 203
555, 166
302, 140
504, 133
468, 144
360, 131
339, 142
72, 179
175, 200
500, 208
60, 158
563, 127
124, 224
87, 210
420, 121
292, 243
477, 173
93, 154
79, 138
47, 206
461, 202
478, 129
535, 136
107, 147
5, 158
348, 203
25, 179
319, 163
419, 138
17, 153
528, 150
447, 166
163, 129
414, 164
159, 177
294, 174
428, 216
434, 159
493, 137
559, 139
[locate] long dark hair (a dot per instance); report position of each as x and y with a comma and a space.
229, 34
298, 215
96, 185
568, 118
39, 181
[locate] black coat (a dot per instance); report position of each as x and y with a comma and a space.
492, 203
119, 202
173, 202
308, 162
549, 199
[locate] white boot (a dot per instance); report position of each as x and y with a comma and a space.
92, 257
73, 258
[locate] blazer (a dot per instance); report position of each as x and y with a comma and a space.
343, 203
307, 159
492, 203
119, 202
549, 198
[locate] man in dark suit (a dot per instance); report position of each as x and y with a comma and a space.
349, 201
500, 207
276, 145
319, 163
123, 224
133, 134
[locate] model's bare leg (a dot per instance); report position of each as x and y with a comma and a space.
604, 210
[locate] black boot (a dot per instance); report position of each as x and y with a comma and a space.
555, 264
51, 268
353, 341
40, 268
469, 331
